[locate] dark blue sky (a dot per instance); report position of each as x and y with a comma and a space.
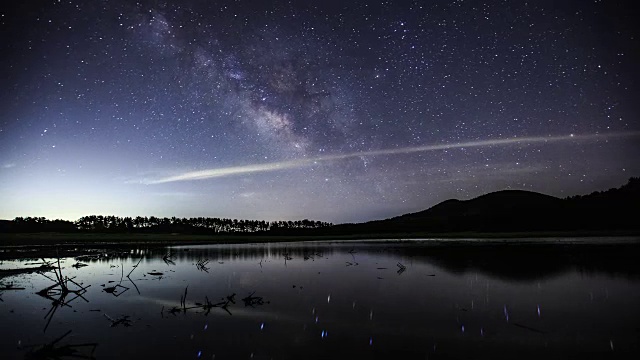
339, 111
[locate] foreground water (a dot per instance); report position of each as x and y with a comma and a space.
328, 301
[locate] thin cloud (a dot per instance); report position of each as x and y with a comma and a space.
299, 163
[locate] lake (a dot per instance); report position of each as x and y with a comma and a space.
552, 299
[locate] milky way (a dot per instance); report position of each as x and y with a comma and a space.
338, 111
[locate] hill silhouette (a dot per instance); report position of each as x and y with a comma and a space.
507, 211
516, 211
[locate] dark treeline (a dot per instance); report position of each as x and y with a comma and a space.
499, 212
152, 224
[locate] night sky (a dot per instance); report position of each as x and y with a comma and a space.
337, 111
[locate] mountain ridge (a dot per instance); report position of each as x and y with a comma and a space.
516, 211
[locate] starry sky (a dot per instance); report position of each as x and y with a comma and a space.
340, 111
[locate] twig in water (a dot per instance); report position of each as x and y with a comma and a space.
202, 265
51, 351
401, 268
115, 290
353, 256
123, 320
9, 286
529, 328
134, 267
167, 259
206, 306
61, 289
174, 310
286, 257
253, 300
183, 300
129, 275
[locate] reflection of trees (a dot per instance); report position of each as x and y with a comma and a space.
527, 262
252, 252
517, 262
209, 254
509, 261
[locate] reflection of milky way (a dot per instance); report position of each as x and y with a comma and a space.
338, 111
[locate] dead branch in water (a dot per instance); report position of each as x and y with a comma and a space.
29, 270
123, 320
206, 306
51, 351
286, 256
529, 328
135, 267
202, 265
120, 289
115, 290
9, 286
167, 259
253, 300
60, 289
312, 256
224, 304
401, 268
130, 272
183, 299
183, 304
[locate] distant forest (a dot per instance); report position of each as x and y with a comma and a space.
609, 211
152, 224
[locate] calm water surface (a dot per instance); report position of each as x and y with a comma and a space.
332, 300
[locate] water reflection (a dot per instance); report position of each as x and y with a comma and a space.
56, 350
525, 262
328, 300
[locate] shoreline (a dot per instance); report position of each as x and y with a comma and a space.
100, 239
36, 245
